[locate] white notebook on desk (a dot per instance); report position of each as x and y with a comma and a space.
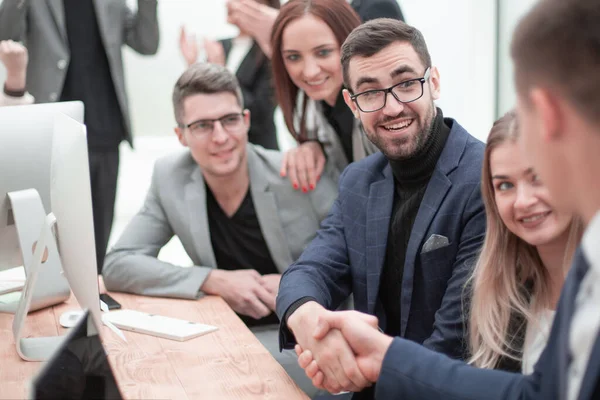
156, 325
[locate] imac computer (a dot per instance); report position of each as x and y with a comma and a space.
26, 134
71, 218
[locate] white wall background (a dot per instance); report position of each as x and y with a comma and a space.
510, 13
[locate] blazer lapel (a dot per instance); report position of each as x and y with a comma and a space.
195, 199
379, 212
436, 191
569, 293
58, 12
267, 213
103, 19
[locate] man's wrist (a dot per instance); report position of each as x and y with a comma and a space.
14, 83
212, 282
297, 318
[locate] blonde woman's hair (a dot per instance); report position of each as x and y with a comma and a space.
509, 283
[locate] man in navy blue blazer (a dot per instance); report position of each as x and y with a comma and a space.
403, 235
557, 76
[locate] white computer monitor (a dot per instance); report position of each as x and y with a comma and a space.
71, 201
26, 135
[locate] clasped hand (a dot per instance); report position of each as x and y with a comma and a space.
326, 354
358, 331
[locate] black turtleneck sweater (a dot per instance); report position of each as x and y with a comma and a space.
411, 177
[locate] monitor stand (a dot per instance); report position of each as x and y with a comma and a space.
29, 214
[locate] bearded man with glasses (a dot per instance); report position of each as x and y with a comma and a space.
408, 223
239, 221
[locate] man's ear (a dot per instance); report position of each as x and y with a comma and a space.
350, 103
180, 136
435, 85
550, 111
246, 113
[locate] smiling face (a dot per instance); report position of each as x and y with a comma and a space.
222, 152
522, 200
399, 130
311, 55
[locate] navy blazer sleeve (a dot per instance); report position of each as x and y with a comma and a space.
410, 371
448, 330
322, 272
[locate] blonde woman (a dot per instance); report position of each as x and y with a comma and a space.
524, 260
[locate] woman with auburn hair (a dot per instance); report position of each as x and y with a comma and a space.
524, 260
306, 40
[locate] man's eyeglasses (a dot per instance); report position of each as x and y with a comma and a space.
404, 92
232, 123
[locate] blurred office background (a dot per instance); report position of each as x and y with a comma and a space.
468, 40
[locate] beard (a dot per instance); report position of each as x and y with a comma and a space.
406, 146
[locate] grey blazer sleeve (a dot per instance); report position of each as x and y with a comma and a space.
13, 21
132, 266
141, 27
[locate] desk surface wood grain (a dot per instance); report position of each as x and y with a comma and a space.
227, 364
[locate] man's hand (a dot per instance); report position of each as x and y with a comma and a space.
271, 283
14, 57
304, 165
335, 359
188, 46
243, 290
362, 334
255, 19
215, 54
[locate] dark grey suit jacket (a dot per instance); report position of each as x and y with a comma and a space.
40, 24
176, 205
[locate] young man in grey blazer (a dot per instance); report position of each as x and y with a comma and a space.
239, 221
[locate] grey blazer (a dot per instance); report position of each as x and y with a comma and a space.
40, 24
176, 205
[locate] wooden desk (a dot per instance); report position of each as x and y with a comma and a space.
227, 364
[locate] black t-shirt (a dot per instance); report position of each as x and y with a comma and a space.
89, 79
238, 243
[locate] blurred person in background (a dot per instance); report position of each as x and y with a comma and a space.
13, 56
258, 19
75, 53
243, 56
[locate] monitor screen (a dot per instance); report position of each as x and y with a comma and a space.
79, 369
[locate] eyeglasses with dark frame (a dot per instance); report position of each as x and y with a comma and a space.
204, 127
405, 92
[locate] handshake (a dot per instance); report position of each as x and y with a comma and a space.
339, 350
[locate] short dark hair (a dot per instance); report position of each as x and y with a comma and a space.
557, 44
204, 78
377, 34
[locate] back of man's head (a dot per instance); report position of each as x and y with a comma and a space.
375, 35
557, 46
204, 78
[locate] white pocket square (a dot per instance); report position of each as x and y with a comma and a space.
434, 242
